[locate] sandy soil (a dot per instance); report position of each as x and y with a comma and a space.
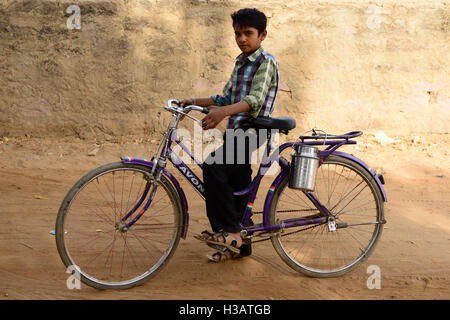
413, 252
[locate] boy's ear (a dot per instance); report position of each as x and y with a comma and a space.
263, 35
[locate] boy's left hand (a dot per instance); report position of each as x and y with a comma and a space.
213, 118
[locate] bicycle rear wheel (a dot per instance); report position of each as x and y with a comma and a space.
89, 233
350, 193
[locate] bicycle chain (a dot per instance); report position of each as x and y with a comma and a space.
287, 234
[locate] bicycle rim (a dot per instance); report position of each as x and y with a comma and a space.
88, 227
350, 194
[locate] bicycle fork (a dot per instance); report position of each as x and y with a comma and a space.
152, 179
150, 188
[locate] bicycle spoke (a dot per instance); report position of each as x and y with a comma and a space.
350, 200
295, 202
107, 201
96, 256
102, 216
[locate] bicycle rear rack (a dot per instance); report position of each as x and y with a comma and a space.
316, 136
332, 141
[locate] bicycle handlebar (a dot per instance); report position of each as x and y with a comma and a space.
181, 111
197, 108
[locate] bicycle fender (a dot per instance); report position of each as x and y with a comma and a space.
365, 166
285, 168
175, 183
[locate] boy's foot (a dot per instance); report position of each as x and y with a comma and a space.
231, 241
224, 255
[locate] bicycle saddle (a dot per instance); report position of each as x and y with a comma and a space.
284, 124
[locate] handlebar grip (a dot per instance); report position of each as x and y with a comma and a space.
205, 110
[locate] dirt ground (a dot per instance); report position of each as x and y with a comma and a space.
413, 254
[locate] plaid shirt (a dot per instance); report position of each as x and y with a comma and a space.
255, 80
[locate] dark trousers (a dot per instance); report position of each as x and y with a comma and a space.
226, 170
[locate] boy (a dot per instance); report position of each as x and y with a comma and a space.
250, 92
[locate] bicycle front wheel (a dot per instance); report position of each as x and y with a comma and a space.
89, 228
350, 193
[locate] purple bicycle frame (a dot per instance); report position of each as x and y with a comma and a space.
252, 189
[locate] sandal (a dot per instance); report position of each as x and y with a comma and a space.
215, 242
245, 249
223, 255
205, 234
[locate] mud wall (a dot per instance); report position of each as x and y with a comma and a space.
344, 65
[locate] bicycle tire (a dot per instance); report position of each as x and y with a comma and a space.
90, 211
310, 249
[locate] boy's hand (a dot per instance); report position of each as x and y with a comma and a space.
213, 118
185, 102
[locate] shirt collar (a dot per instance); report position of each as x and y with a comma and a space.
251, 57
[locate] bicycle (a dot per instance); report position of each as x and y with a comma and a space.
121, 223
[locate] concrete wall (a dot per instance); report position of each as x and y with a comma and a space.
344, 65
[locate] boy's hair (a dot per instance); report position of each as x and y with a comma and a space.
250, 18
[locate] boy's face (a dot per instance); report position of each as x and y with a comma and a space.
247, 39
